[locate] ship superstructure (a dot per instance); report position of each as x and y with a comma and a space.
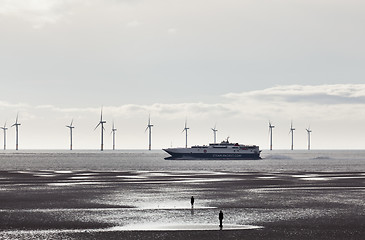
223, 150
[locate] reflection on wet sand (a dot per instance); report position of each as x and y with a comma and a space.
68, 202
180, 227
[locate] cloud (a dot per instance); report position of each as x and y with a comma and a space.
133, 24
4, 104
319, 102
43, 12
38, 12
280, 102
172, 30
321, 94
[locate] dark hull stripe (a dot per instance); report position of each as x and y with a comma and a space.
215, 156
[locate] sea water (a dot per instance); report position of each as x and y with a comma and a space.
276, 160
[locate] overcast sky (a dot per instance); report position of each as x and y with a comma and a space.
236, 64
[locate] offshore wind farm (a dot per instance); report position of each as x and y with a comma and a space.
215, 130
101, 124
4, 128
186, 133
16, 125
113, 132
71, 127
291, 131
149, 129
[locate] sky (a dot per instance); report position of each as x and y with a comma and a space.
234, 64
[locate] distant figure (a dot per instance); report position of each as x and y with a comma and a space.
221, 219
192, 201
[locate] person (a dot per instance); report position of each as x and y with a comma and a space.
192, 201
221, 219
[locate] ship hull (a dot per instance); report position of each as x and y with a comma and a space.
211, 156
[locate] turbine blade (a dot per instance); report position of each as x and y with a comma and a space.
97, 126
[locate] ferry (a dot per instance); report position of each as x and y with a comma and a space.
215, 151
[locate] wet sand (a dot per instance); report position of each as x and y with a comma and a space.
156, 205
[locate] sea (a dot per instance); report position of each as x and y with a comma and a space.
128, 160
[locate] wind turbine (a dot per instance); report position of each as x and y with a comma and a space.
309, 137
270, 131
292, 135
113, 131
16, 124
149, 127
71, 127
4, 128
186, 134
101, 123
215, 133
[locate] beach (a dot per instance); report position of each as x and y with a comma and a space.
90, 204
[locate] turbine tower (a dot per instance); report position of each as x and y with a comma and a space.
113, 131
292, 135
215, 133
186, 134
70, 127
101, 123
309, 137
16, 124
149, 127
4, 128
270, 131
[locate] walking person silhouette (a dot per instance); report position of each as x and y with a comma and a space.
221, 219
192, 201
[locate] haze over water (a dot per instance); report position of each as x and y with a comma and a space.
124, 160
